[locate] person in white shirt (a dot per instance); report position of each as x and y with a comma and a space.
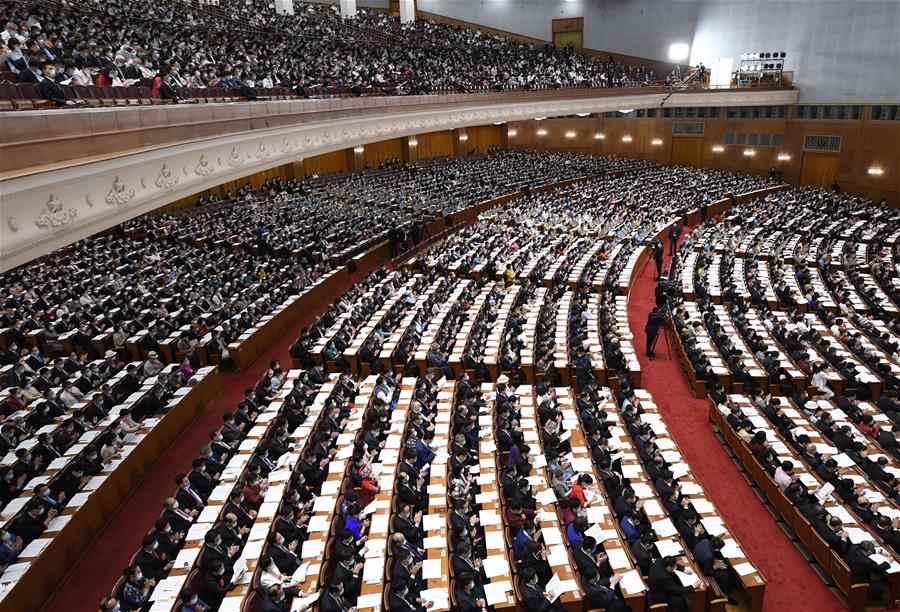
784, 475
820, 382
271, 577
11, 31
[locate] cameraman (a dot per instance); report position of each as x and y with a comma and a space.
655, 321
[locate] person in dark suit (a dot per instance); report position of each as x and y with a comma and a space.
674, 234
285, 559
654, 322
152, 564
403, 600
864, 569
186, 496
179, 518
708, 555
658, 257
214, 585
599, 595
49, 88
468, 597
533, 595
332, 600
665, 586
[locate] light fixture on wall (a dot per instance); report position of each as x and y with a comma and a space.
749, 153
499, 122
626, 138
678, 52
656, 142
463, 137
570, 134
539, 118
541, 132
626, 111
875, 170
512, 133
413, 142
599, 136
359, 149
784, 157
582, 114
718, 149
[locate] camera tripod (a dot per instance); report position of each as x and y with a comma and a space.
664, 332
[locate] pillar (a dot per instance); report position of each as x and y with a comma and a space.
407, 11
348, 9
283, 7
411, 150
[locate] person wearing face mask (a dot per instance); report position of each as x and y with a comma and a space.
153, 563
402, 600
191, 602
49, 88
136, 591
15, 57
332, 601
11, 33
76, 77
214, 584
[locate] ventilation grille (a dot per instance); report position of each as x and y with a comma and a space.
687, 129
831, 144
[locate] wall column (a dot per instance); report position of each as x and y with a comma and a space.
283, 7
348, 9
407, 11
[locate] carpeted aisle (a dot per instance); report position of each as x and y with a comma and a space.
95, 573
792, 583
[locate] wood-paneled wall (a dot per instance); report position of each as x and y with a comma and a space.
865, 143
435, 144
329, 163
376, 153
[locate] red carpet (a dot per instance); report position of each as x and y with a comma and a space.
792, 583
95, 573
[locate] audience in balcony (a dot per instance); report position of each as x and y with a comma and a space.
242, 46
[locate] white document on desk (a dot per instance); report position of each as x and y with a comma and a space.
370, 601
558, 556
439, 597
546, 497
744, 569
617, 558
495, 565
431, 569
495, 592
632, 583
433, 522
373, 570
493, 540
552, 536
687, 579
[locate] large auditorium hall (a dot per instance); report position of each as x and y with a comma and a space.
449, 306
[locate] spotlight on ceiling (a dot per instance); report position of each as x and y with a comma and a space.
512, 133
678, 52
463, 137
359, 149
784, 157
599, 136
